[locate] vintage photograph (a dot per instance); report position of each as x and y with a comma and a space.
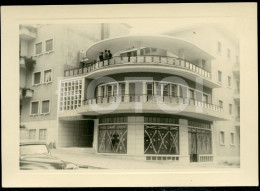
110, 97
101, 96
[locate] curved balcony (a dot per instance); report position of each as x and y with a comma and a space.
143, 103
162, 64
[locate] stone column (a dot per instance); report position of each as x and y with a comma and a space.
95, 138
184, 141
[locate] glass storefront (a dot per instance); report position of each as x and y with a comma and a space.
160, 139
112, 139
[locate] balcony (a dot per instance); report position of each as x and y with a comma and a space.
151, 104
26, 93
22, 62
236, 69
237, 94
170, 65
27, 33
237, 120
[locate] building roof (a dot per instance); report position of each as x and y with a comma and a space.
169, 43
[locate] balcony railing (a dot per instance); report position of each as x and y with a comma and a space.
161, 60
151, 99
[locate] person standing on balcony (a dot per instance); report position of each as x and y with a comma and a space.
109, 54
101, 57
106, 55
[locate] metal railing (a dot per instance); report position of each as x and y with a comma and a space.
161, 60
128, 98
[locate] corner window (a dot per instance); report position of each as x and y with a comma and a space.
229, 81
47, 76
232, 140
38, 48
32, 134
219, 47
34, 108
220, 103
45, 107
230, 108
219, 76
36, 78
42, 134
49, 45
222, 138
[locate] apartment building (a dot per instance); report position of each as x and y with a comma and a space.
45, 52
172, 97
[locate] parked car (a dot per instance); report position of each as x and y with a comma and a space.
37, 156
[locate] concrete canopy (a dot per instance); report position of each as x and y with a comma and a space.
171, 44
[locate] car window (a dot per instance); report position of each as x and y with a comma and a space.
33, 149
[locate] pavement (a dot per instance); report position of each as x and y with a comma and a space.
87, 158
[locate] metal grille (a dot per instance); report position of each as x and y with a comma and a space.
161, 139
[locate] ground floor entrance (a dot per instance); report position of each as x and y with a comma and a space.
78, 133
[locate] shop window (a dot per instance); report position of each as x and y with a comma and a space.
38, 48
154, 49
32, 134
47, 76
222, 138
147, 50
34, 108
161, 139
49, 45
36, 78
174, 90
42, 134
112, 139
45, 107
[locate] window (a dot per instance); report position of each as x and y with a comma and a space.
147, 50
205, 98
219, 76
222, 138
149, 88
47, 76
232, 141
45, 106
229, 81
230, 108
191, 94
112, 139
219, 47
166, 88
174, 90
159, 139
34, 107
49, 45
228, 53
203, 64
220, 103
38, 48
122, 89
42, 134
36, 78
32, 133
154, 49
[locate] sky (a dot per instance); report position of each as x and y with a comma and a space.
156, 26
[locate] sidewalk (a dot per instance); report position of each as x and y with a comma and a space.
89, 158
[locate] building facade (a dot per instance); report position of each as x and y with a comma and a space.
160, 97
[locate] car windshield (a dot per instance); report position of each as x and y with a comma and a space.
33, 149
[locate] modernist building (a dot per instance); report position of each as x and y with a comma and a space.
160, 97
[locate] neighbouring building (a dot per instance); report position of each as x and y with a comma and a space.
173, 96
